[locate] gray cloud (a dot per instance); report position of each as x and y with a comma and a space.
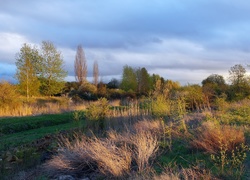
167, 37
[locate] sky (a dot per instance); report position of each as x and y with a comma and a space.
181, 40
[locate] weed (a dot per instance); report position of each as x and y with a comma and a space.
78, 115
231, 160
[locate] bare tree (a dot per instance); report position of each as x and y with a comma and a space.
80, 65
95, 73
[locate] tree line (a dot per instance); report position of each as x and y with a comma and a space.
40, 72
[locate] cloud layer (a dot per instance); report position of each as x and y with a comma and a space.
180, 40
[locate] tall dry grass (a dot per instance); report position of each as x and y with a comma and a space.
184, 174
119, 117
87, 155
210, 137
146, 146
114, 156
143, 145
39, 106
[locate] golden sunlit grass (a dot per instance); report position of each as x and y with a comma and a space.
112, 156
44, 105
87, 155
211, 137
185, 174
143, 144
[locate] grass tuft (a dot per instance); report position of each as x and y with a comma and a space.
211, 137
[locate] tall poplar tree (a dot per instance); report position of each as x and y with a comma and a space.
143, 81
95, 73
26, 62
80, 65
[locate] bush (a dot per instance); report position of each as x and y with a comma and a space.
160, 107
97, 112
226, 147
211, 137
87, 91
115, 93
9, 98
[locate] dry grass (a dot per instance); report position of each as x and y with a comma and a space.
116, 102
87, 155
146, 146
195, 174
42, 106
211, 137
126, 116
112, 157
185, 174
154, 126
143, 144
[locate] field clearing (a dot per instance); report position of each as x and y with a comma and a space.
194, 144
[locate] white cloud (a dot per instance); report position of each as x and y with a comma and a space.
10, 44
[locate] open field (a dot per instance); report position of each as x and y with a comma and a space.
201, 145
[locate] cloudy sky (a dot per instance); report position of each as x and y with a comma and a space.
181, 40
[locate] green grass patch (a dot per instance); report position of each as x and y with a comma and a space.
19, 124
25, 130
26, 137
182, 156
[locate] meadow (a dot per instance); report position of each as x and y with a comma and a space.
141, 139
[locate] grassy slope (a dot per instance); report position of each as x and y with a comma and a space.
18, 124
23, 130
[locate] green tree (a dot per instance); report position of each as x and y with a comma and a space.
52, 74
26, 62
214, 86
240, 86
215, 79
113, 84
154, 78
237, 75
129, 82
143, 81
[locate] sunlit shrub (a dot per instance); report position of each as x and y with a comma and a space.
98, 110
96, 114
9, 98
210, 137
225, 144
160, 107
